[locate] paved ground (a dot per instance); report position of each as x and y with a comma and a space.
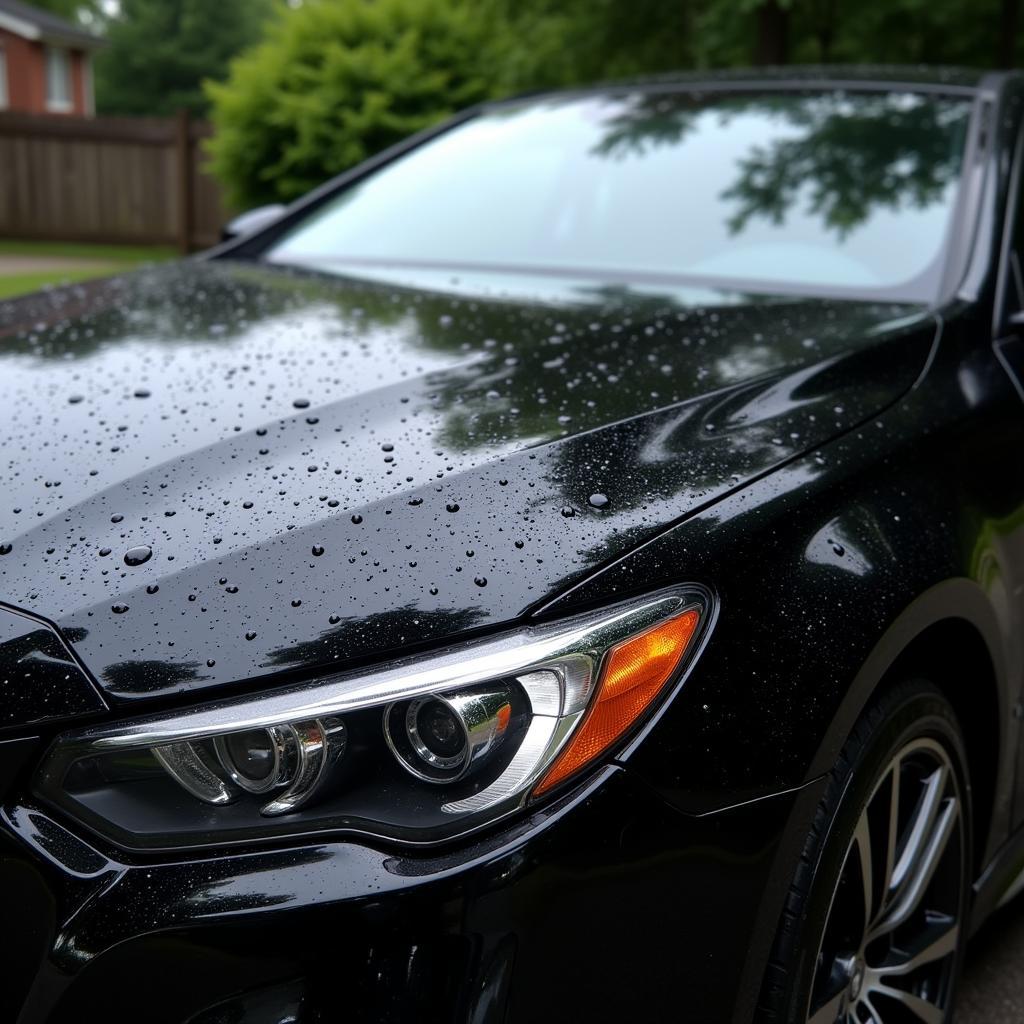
24, 264
992, 990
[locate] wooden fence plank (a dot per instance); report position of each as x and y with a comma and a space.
127, 180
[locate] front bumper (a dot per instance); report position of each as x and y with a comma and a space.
610, 905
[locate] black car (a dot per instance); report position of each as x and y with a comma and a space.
569, 568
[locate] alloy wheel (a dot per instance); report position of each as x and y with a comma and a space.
888, 950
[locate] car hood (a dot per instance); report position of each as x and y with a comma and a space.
214, 472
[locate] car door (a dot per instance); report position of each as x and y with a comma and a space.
1008, 346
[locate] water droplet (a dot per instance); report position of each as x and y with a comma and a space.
139, 555
301, 403
116, 518
839, 549
233, 589
119, 609
598, 500
75, 399
250, 636
334, 619
142, 393
452, 506
357, 519
210, 662
296, 603
318, 550
246, 504
152, 588
480, 581
104, 552
568, 511
5, 549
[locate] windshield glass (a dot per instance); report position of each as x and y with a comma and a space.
842, 193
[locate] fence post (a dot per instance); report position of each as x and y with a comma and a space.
184, 161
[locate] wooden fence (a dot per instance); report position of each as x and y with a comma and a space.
130, 180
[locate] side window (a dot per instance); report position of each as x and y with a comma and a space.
1015, 282
1011, 295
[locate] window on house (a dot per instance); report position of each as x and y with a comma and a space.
3, 80
88, 89
58, 80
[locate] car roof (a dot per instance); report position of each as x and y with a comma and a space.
797, 76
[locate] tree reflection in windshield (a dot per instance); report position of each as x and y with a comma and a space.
842, 155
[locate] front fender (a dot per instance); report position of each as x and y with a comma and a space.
827, 569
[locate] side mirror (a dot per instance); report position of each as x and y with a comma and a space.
250, 221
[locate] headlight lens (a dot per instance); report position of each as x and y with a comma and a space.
421, 751
442, 738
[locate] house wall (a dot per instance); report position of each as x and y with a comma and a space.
26, 76
26, 83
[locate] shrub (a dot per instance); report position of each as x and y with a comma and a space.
334, 83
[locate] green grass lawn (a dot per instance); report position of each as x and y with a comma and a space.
99, 261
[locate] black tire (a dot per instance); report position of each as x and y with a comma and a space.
809, 964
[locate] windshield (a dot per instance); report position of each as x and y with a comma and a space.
843, 193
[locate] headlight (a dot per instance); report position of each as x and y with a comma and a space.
420, 751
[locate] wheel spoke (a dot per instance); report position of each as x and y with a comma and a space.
935, 948
862, 837
921, 828
920, 870
926, 1012
894, 829
829, 1013
873, 1017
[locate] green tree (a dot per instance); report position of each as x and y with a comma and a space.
335, 82
159, 52
551, 43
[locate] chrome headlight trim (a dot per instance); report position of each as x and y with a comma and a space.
533, 648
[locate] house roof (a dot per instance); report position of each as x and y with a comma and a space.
32, 23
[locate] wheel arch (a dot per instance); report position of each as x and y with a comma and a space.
951, 635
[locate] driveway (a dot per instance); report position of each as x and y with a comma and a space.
992, 990
11, 264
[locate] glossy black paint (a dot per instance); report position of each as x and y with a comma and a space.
42, 680
471, 935
845, 476
440, 452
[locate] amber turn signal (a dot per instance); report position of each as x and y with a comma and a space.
635, 671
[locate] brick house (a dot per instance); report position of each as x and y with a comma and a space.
45, 62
